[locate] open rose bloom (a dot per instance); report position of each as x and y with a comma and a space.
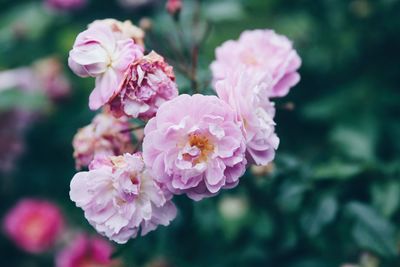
260, 51
247, 93
34, 225
105, 136
194, 146
148, 83
104, 54
120, 196
85, 251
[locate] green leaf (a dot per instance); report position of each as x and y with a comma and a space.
386, 197
337, 170
323, 213
355, 142
25, 100
372, 231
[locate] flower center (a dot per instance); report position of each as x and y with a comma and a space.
203, 144
250, 59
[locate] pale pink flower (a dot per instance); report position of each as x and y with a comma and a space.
45, 75
194, 146
119, 196
246, 92
52, 79
86, 251
260, 51
34, 225
104, 136
148, 83
124, 29
65, 4
99, 53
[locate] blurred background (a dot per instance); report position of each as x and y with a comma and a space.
332, 196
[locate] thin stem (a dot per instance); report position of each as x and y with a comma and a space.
132, 129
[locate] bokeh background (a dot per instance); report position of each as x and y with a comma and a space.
332, 195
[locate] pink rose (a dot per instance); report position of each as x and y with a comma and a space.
34, 225
99, 53
148, 83
246, 92
120, 196
85, 252
194, 146
105, 136
260, 51
124, 29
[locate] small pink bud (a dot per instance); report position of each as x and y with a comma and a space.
174, 6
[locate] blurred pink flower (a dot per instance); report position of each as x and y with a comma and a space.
104, 136
45, 75
99, 53
65, 4
51, 77
34, 225
148, 83
195, 146
260, 51
86, 252
246, 92
174, 6
13, 125
119, 196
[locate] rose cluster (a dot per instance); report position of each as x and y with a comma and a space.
195, 145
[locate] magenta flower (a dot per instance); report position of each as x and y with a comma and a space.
119, 196
194, 146
105, 136
247, 93
65, 4
86, 252
148, 83
260, 51
34, 225
97, 52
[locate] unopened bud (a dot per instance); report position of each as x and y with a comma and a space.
262, 170
174, 7
146, 24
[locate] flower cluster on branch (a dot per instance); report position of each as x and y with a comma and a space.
195, 145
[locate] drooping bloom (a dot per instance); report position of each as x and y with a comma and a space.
194, 146
65, 4
120, 196
246, 92
99, 53
125, 29
34, 225
86, 251
260, 51
105, 136
148, 83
